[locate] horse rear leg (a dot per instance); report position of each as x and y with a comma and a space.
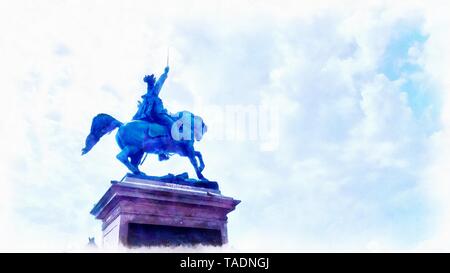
136, 160
123, 157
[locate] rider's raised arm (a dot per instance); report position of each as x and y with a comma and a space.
160, 81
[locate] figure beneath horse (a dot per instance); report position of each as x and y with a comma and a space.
152, 130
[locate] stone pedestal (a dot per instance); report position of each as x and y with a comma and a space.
147, 212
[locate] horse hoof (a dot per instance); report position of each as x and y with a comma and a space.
138, 173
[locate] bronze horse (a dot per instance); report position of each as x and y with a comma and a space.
138, 137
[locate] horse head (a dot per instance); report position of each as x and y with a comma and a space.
200, 128
188, 127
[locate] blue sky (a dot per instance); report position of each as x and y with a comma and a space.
400, 63
359, 91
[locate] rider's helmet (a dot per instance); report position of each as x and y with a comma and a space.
150, 80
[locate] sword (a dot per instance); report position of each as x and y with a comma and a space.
167, 63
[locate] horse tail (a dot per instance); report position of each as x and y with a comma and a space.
102, 124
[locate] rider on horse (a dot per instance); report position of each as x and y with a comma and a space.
151, 131
151, 109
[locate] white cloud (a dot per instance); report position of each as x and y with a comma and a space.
436, 175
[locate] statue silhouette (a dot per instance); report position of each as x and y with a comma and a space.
152, 130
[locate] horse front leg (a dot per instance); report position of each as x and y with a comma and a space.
197, 169
200, 158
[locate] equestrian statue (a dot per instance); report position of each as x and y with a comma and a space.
153, 130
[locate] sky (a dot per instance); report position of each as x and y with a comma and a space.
345, 147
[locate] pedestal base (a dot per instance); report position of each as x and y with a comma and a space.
143, 212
